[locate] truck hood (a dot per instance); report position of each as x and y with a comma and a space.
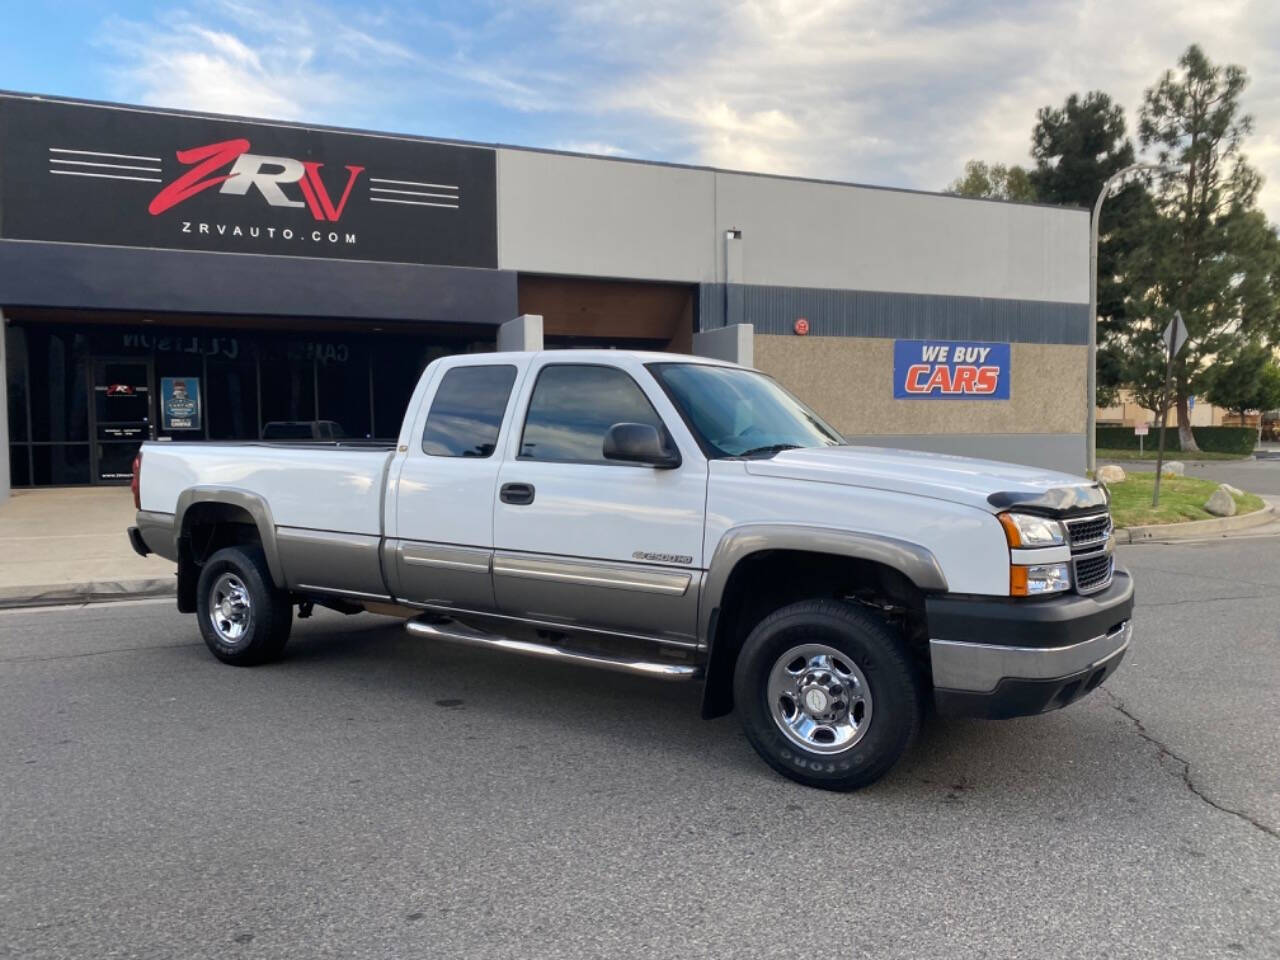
987, 484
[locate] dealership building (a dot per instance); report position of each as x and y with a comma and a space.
168, 275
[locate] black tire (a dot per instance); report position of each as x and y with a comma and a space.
265, 627
874, 648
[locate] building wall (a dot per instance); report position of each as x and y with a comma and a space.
803, 234
580, 216
849, 380
1127, 412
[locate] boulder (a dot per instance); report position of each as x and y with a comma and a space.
1234, 491
1174, 468
1111, 473
1221, 503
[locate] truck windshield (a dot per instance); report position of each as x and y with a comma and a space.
741, 413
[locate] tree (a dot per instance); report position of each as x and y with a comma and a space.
1077, 147
993, 181
1248, 380
1211, 253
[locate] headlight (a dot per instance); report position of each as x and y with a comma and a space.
1026, 530
1041, 579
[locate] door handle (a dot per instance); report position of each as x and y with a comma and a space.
518, 494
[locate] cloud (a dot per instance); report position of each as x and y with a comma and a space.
894, 94
186, 62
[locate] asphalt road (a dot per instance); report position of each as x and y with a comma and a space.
376, 796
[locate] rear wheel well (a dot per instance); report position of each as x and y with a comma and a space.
772, 579
207, 528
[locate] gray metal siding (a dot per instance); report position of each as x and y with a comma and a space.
868, 313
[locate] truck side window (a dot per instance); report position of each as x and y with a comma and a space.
572, 408
467, 411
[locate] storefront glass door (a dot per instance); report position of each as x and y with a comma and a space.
123, 416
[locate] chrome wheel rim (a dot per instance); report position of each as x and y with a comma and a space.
819, 698
230, 609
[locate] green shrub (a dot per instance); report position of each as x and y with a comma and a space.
1240, 440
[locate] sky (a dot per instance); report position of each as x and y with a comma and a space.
895, 94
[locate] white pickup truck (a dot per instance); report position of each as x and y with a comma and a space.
668, 516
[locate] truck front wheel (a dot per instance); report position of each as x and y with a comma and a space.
243, 618
827, 695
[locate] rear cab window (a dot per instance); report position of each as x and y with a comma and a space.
467, 410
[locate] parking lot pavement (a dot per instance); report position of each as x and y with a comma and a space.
375, 796
1256, 476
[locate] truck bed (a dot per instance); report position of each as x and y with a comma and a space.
310, 485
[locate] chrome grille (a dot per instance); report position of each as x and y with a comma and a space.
1091, 562
1093, 572
1089, 530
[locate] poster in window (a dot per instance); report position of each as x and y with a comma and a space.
180, 403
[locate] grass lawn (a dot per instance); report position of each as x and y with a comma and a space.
1181, 499
1150, 454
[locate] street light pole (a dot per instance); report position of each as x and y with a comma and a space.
1091, 375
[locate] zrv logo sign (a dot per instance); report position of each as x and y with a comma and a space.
116, 176
949, 369
248, 171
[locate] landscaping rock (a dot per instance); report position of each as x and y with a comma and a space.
1174, 468
1234, 491
1221, 503
1111, 473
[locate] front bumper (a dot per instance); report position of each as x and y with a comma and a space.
997, 657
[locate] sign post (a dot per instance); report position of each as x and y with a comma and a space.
1140, 431
1175, 338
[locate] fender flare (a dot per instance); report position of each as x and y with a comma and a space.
913, 561
252, 503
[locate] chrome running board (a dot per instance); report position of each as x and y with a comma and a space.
460, 633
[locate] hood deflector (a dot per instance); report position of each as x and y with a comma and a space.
1056, 501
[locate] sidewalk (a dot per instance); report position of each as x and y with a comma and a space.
68, 545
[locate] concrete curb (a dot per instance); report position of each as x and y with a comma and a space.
1196, 529
103, 591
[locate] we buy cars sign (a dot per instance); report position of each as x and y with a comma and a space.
950, 369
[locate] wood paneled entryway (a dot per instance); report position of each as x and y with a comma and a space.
623, 313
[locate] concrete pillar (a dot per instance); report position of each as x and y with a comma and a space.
522, 333
4, 413
734, 343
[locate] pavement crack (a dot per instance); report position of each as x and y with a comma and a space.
1185, 774
1174, 603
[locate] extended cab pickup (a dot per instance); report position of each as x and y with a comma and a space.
672, 517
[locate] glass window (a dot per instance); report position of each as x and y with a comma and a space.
15, 352
59, 386
574, 405
232, 393
741, 413
467, 410
288, 384
61, 464
19, 465
342, 376
397, 364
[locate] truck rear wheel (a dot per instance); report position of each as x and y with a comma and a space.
827, 694
244, 619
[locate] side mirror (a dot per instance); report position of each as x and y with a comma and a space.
639, 443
